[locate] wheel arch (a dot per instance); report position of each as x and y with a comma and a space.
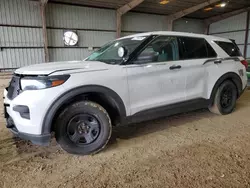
235, 78
77, 94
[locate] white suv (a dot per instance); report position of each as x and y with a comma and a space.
132, 79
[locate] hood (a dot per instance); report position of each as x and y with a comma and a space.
48, 68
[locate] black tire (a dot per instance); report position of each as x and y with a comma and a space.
225, 99
83, 128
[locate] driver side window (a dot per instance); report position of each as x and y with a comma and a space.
162, 49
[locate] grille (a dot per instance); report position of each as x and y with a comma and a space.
14, 87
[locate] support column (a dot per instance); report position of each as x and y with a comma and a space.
170, 25
123, 10
43, 4
247, 35
118, 24
207, 26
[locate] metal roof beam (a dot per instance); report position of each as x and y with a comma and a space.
129, 6
190, 10
213, 19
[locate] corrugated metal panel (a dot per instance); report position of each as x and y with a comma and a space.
233, 23
14, 58
68, 54
86, 38
249, 37
248, 51
20, 37
189, 25
20, 12
241, 47
150, 22
239, 36
142, 22
67, 16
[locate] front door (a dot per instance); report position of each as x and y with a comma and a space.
155, 77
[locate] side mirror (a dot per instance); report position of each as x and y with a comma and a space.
146, 57
122, 52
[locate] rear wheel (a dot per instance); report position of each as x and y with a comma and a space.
225, 99
83, 128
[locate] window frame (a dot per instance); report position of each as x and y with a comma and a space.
155, 37
208, 44
151, 39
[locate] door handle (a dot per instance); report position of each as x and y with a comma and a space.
218, 61
175, 67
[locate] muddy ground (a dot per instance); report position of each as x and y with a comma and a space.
197, 149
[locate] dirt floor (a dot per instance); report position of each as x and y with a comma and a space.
197, 149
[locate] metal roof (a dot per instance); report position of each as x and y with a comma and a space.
154, 6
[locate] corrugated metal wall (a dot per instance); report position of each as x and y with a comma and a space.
94, 27
97, 26
139, 22
21, 34
189, 25
232, 28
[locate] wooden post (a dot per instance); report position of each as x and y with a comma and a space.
118, 24
170, 25
207, 26
247, 34
123, 10
43, 4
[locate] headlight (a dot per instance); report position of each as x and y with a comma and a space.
35, 83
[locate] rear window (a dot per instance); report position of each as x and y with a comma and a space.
196, 48
230, 48
193, 48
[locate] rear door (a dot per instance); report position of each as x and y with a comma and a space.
194, 52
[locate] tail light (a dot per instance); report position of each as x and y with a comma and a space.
245, 63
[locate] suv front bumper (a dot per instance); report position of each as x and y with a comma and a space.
25, 112
43, 140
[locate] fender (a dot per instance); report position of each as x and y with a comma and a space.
228, 76
112, 95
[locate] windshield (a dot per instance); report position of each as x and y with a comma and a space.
109, 52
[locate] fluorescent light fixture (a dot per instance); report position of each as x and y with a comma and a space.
221, 5
164, 2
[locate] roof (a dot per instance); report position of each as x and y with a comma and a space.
154, 6
171, 33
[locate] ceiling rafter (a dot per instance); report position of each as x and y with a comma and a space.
190, 10
129, 6
225, 15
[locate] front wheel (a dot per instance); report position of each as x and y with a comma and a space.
225, 99
83, 128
